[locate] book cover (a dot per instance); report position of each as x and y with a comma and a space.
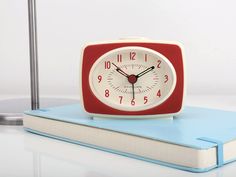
208, 135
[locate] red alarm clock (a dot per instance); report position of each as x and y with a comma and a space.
135, 78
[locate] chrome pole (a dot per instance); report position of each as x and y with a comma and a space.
33, 54
11, 110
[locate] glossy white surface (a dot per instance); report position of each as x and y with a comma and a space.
23, 154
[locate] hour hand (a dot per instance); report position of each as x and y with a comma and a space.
121, 71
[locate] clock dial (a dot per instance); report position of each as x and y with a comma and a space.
132, 78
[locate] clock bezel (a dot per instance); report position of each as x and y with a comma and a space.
139, 108
172, 106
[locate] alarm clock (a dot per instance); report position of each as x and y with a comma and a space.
134, 78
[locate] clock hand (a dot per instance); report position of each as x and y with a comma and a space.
132, 79
145, 71
121, 71
133, 90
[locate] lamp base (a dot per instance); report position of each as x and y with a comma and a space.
11, 110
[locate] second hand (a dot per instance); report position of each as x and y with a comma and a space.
133, 91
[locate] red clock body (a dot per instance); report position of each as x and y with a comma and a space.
123, 69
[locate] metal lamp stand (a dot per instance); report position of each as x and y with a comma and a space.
11, 110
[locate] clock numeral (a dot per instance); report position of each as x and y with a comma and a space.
145, 57
132, 102
119, 58
99, 78
107, 94
145, 99
159, 93
158, 63
107, 64
166, 78
132, 55
121, 98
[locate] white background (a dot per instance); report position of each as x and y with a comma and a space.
207, 29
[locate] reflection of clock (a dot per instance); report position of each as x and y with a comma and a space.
135, 78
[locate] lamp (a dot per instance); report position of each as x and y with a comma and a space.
11, 110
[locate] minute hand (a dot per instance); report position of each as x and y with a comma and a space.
145, 71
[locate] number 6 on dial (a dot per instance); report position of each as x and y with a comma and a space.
132, 78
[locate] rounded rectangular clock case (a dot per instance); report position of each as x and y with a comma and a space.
171, 106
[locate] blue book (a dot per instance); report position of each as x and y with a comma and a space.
197, 140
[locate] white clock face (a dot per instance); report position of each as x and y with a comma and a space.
132, 78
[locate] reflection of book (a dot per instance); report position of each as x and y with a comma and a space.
197, 140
